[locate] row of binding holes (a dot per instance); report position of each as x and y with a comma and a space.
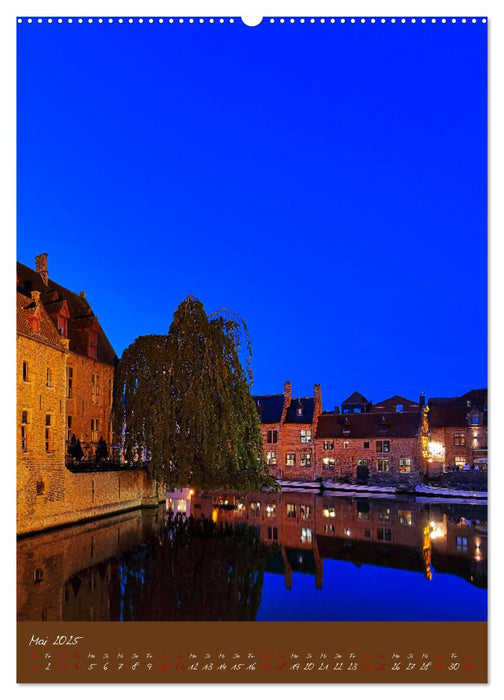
292, 20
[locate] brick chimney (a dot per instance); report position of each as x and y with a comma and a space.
287, 392
41, 267
422, 400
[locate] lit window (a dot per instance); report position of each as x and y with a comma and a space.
459, 439
255, 509
328, 445
346, 444
328, 463
404, 517
271, 457
383, 465
404, 464
291, 510
271, 510
383, 445
305, 459
306, 535
362, 462
305, 436
306, 512
384, 515
462, 544
290, 459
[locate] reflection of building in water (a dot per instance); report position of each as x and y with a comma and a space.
87, 572
375, 531
179, 501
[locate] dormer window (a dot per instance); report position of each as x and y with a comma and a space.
399, 407
299, 409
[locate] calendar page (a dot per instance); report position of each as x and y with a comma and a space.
255, 448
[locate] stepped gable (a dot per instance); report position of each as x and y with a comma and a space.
300, 410
369, 425
269, 407
26, 310
56, 298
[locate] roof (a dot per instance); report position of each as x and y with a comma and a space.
52, 297
307, 405
369, 425
269, 407
26, 308
355, 398
394, 401
452, 412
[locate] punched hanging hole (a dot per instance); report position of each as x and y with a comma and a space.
252, 21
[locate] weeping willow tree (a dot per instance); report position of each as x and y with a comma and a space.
182, 402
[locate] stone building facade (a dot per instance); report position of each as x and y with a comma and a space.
65, 372
382, 444
288, 428
459, 431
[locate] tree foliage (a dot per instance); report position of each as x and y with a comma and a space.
183, 404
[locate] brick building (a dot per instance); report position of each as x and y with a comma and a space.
288, 427
90, 359
459, 430
382, 443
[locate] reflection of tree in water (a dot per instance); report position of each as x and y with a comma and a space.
191, 570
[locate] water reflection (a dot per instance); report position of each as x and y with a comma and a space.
220, 556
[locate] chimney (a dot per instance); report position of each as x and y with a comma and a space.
287, 392
41, 267
422, 400
82, 295
317, 395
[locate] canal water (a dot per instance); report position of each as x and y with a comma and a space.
300, 556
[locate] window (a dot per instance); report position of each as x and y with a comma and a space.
240, 508
404, 517
383, 445
399, 407
305, 459
291, 510
404, 464
69, 382
366, 445
328, 445
462, 544
25, 371
110, 391
48, 433
384, 515
271, 457
460, 461
24, 431
306, 534
38, 575
459, 439
383, 533
271, 510
290, 459
272, 533
94, 430
255, 509
305, 436
329, 529
40, 488
329, 512
475, 420
69, 428
48, 377
346, 444
299, 410
272, 436
328, 463
306, 512
383, 465
367, 533
362, 462
363, 515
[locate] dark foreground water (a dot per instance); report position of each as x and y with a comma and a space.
290, 556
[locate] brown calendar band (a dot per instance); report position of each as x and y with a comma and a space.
252, 652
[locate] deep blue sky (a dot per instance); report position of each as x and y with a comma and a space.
326, 182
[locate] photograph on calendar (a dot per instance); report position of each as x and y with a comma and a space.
251, 319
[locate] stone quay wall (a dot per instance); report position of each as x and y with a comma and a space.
81, 497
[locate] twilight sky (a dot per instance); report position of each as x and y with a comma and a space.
327, 182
